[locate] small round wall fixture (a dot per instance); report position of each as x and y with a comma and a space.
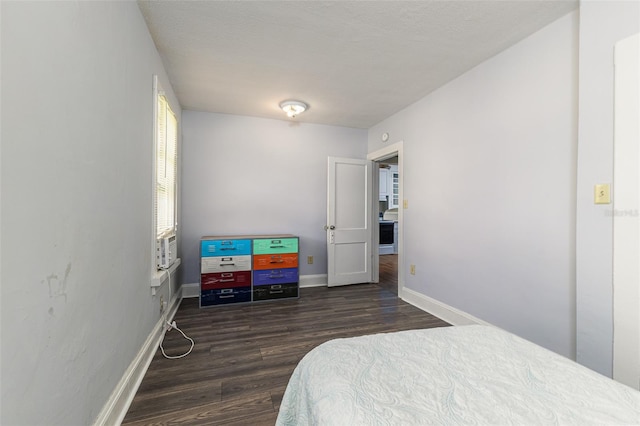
293, 108
385, 136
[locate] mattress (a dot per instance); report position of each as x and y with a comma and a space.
467, 375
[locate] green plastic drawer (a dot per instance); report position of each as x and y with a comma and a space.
275, 245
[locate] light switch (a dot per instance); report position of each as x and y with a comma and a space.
405, 204
602, 194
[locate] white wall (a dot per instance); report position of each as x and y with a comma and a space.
244, 175
490, 175
76, 205
602, 24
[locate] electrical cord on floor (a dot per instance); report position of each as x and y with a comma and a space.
172, 326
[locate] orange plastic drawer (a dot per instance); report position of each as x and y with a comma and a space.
273, 261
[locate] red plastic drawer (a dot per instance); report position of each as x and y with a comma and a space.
225, 280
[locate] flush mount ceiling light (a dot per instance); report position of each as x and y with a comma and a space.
293, 108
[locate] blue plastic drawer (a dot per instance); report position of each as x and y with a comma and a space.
225, 296
209, 248
275, 276
275, 245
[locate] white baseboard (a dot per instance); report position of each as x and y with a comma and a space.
118, 403
441, 310
319, 280
190, 290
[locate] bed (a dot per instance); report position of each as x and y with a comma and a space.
466, 375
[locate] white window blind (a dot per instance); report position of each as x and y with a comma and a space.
166, 161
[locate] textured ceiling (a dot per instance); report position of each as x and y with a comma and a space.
354, 63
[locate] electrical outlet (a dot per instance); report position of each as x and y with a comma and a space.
602, 194
412, 269
310, 260
161, 303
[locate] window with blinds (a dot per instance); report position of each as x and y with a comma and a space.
166, 162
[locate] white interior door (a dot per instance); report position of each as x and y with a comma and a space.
626, 223
349, 221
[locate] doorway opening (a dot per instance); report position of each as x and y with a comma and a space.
387, 211
388, 199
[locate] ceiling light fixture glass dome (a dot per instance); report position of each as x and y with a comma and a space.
293, 108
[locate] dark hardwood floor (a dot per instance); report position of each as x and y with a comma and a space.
389, 272
244, 355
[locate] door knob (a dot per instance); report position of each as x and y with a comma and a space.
332, 227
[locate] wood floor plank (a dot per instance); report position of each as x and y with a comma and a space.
262, 419
289, 348
244, 354
147, 394
250, 384
154, 404
214, 413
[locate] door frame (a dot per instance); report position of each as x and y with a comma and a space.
626, 224
377, 156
